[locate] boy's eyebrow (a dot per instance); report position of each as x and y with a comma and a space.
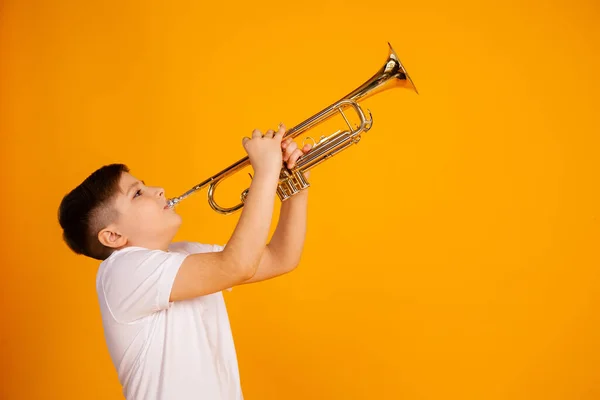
134, 185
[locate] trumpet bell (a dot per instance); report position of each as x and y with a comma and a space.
391, 75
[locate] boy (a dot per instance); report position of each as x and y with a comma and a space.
163, 313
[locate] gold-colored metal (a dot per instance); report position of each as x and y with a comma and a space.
391, 75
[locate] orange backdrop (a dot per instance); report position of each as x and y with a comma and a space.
452, 254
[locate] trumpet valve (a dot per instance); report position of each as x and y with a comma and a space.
291, 184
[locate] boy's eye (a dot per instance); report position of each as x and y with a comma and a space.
139, 192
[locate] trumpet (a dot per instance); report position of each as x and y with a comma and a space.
291, 181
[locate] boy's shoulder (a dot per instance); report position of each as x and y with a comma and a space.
132, 253
137, 259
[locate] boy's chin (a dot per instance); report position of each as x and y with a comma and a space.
165, 230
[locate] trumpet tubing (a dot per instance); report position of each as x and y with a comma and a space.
292, 181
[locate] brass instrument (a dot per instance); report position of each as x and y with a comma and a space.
391, 75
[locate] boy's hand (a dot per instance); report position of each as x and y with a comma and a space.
264, 151
291, 153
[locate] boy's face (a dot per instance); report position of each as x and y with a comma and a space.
142, 217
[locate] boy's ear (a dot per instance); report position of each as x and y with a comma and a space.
109, 237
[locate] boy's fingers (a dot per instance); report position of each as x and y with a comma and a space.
307, 147
294, 157
244, 140
256, 134
280, 131
289, 150
269, 133
286, 142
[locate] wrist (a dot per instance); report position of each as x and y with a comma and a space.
300, 196
267, 173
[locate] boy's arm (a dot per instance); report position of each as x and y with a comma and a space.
283, 252
205, 273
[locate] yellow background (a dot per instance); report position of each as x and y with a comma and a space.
452, 254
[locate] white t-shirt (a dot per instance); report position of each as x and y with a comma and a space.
165, 350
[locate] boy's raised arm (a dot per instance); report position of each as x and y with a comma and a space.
206, 273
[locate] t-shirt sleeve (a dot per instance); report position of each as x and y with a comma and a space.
218, 247
139, 282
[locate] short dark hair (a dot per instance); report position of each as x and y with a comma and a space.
88, 208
